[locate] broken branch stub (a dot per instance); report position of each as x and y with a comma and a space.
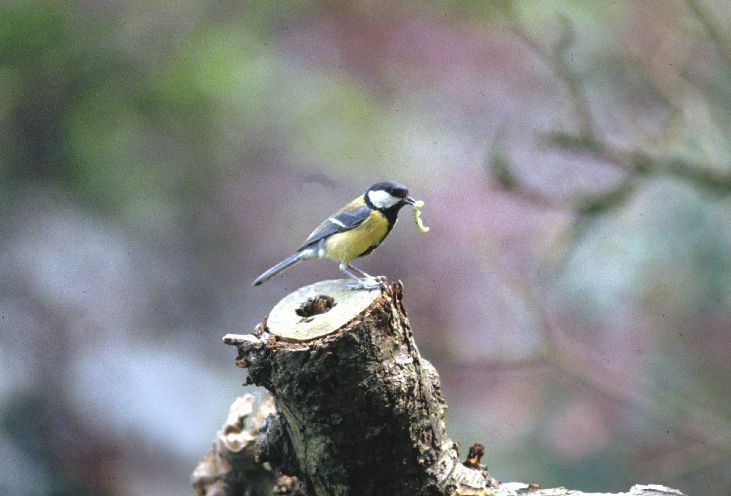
362, 410
230, 466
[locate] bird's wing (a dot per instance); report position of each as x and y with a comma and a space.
348, 217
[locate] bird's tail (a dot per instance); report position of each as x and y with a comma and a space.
283, 265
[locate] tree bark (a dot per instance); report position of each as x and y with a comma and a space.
359, 411
231, 466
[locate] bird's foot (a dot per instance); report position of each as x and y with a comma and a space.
368, 283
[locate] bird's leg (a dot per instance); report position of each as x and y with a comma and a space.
344, 268
361, 272
378, 279
361, 283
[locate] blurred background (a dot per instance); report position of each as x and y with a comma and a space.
574, 291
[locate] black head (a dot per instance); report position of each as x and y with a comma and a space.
385, 195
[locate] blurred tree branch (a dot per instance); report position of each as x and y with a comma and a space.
706, 436
715, 34
697, 427
639, 164
557, 58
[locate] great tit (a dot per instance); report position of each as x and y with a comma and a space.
353, 231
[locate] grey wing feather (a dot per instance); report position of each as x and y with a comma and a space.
340, 222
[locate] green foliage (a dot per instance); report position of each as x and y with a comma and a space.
142, 131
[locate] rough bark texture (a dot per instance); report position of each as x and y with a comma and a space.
359, 411
230, 466
362, 409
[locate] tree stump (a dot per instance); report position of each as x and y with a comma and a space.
358, 410
362, 410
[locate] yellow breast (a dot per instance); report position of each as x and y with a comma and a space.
348, 245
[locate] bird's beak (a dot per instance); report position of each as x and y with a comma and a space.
409, 200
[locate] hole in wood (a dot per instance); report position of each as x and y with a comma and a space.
315, 305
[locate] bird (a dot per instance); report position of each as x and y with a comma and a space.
353, 231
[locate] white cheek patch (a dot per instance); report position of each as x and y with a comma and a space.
382, 199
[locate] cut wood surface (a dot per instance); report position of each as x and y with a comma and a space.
358, 410
314, 311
